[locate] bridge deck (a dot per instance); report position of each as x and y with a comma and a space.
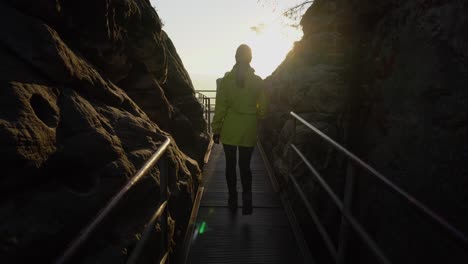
223, 237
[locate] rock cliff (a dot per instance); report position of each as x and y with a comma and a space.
388, 80
89, 90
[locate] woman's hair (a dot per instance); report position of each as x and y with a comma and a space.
243, 56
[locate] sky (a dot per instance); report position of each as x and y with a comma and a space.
207, 33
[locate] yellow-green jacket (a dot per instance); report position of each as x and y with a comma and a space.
238, 109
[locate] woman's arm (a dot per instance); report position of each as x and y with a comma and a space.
221, 108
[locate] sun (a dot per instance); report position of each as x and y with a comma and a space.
270, 44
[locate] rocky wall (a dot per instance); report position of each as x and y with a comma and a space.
386, 79
88, 91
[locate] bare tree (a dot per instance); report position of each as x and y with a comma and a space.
298, 10
294, 13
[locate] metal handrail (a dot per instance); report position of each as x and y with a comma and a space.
164, 258
345, 210
321, 229
87, 231
354, 223
207, 105
206, 91
146, 234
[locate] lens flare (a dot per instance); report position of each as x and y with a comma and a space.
202, 228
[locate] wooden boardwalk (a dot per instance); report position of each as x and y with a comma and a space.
224, 237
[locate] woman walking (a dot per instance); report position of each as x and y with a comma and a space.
240, 102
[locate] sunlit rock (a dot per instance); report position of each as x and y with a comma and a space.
89, 91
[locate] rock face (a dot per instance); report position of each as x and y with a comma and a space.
387, 80
89, 90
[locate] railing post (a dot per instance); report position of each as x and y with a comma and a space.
347, 205
204, 105
163, 175
209, 115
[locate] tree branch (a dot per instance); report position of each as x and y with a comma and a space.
294, 9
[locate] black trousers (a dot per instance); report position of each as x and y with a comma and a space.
245, 155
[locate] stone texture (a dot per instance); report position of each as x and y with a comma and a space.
387, 79
88, 91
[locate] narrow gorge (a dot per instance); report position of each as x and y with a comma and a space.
90, 89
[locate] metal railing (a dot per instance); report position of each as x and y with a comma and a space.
348, 220
160, 214
208, 103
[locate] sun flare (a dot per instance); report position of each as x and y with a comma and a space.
270, 44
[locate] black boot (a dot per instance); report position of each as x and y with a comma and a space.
247, 203
232, 202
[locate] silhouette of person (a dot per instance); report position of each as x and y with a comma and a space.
240, 102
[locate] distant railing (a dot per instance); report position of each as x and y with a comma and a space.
339, 255
160, 214
208, 103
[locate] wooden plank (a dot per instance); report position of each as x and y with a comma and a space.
263, 237
224, 237
264, 200
299, 237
